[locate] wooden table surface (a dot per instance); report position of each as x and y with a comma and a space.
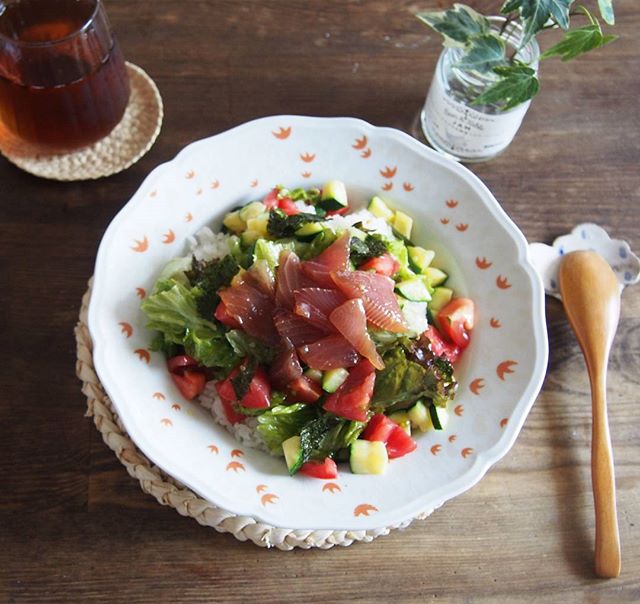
75, 527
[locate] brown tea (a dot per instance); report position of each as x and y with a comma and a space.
63, 82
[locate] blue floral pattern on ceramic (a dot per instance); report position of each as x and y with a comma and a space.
587, 236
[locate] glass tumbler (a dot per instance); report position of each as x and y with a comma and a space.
63, 80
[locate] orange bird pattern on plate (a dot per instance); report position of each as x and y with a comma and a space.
306, 174
360, 143
153, 193
444, 220
462, 227
452, 203
215, 184
452, 438
261, 488
126, 328
169, 237
143, 354
466, 452
364, 509
237, 453
495, 323
505, 367
236, 466
199, 191
282, 133
459, 410
268, 498
176, 407
190, 174
159, 396
483, 263
476, 385
435, 449
387, 186
140, 292
389, 172
307, 157
213, 449
254, 183
332, 487
188, 217
366, 154
504, 421
502, 282
141, 245
166, 422
407, 186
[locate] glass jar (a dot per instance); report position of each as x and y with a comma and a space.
466, 132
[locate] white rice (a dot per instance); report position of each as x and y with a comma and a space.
368, 220
206, 245
245, 432
304, 207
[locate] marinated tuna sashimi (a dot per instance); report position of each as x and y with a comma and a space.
318, 332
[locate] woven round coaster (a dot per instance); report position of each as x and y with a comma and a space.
169, 491
125, 145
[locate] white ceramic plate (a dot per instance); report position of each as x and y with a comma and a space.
484, 252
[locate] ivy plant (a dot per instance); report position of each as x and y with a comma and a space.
484, 50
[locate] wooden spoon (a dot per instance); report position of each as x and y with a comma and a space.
591, 297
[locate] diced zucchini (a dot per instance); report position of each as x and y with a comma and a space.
308, 231
439, 417
249, 237
419, 416
440, 298
414, 290
419, 258
292, 453
233, 222
368, 457
403, 223
379, 208
314, 374
251, 210
333, 379
259, 223
333, 196
435, 276
415, 314
402, 419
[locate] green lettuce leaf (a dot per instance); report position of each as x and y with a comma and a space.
245, 345
282, 422
326, 435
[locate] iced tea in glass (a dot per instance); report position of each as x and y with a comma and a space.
63, 81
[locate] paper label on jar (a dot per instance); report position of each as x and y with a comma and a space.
465, 132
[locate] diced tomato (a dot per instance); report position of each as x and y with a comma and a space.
190, 383
259, 392
379, 427
305, 389
228, 397
271, 200
456, 320
399, 443
288, 206
320, 469
338, 212
439, 347
383, 429
383, 265
233, 417
222, 314
351, 400
179, 363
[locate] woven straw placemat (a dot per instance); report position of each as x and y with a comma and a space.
124, 146
169, 491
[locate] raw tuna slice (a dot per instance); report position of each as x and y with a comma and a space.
290, 277
376, 293
252, 309
351, 321
316, 304
334, 258
295, 329
285, 368
331, 352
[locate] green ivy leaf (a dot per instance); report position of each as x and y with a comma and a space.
578, 41
484, 53
458, 25
518, 84
606, 10
510, 6
535, 13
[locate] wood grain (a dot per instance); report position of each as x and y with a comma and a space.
74, 527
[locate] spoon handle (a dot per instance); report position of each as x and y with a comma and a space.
607, 549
